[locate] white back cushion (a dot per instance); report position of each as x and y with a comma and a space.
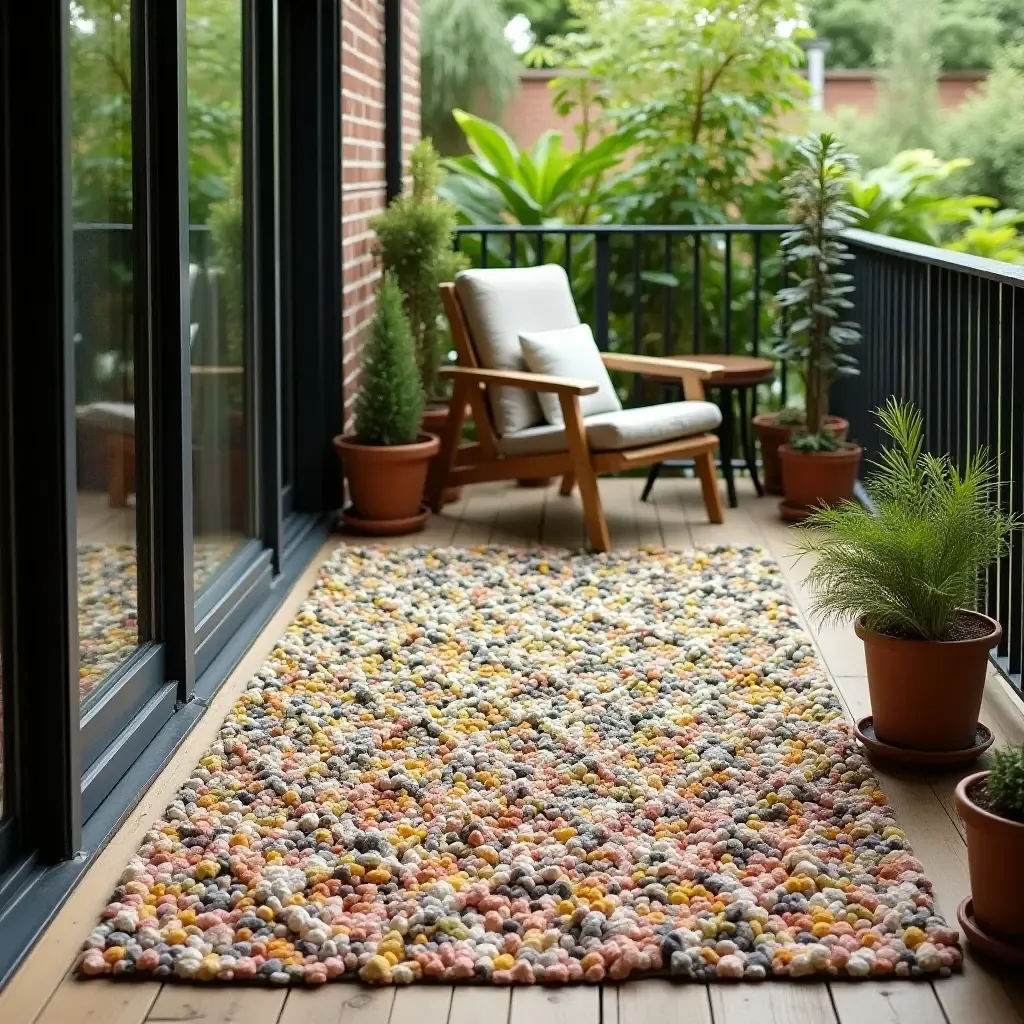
499, 306
571, 352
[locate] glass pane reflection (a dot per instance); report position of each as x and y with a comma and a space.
221, 428
101, 154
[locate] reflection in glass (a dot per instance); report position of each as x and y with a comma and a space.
221, 429
101, 154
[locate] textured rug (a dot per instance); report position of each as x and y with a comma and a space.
108, 627
514, 767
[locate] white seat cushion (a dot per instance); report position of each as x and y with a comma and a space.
619, 431
570, 353
499, 306
117, 417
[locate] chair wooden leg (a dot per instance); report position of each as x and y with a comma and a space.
442, 463
568, 483
583, 470
705, 465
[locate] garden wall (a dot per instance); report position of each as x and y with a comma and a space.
363, 179
529, 114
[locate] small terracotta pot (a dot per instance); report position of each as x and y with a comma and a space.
995, 849
926, 694
435, 419
385, 483
813, 479
772, 434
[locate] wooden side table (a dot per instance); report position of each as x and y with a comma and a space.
742, 374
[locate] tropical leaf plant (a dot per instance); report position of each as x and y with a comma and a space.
500, 183
911, 561
906, 198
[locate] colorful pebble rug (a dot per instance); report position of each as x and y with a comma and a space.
520, 766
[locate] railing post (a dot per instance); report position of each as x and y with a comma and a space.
602, 243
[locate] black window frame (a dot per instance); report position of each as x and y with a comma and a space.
102, 757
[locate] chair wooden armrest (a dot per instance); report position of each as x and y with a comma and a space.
692, 375
656, 366
521, 379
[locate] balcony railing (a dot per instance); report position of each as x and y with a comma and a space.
942, 329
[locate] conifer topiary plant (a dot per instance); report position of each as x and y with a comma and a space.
389, 404
415, 237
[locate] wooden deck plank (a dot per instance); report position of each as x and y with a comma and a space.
886, 1002
342, 1003
479, 1005
424, 1004
771, 1003
237, 1004
609, 1004
658, 1001
648, 525
98, 1002
572, 1005
620, 513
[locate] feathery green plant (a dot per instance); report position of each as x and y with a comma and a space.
389, 405
415, 242
909, 565
1005, 782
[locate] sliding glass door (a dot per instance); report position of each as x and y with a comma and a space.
169, 276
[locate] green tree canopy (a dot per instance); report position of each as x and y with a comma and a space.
466, 63
968, 34
548, 18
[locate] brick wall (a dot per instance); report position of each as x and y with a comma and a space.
530, 114
363, 183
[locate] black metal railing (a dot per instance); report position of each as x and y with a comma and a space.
662, 290
946, 331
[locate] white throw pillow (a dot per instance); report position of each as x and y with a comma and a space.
570, 353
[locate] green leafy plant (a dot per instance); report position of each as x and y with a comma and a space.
414, 244
993, 235
1005, 782
909, 198
389, 404
497, 182
909, 565
817, 336
810, 444
465, 62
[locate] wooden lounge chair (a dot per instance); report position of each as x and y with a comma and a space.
493, 315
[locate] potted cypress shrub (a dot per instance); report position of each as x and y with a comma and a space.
992, 807
908, 572
387, 457
415, 242
817, 467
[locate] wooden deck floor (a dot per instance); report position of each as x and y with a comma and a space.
43, 992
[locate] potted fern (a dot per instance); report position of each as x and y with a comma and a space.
817, 467
387, 457
907, 572
992, 807
415, 243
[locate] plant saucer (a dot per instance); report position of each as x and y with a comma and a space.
923, 758
385, 527
995, 948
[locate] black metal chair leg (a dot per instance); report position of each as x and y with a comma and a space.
652, 475
725, 437
747, 437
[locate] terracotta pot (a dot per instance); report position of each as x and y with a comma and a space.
772, 434
386, 483
813, 479
435, 419
926, 694
995, 849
